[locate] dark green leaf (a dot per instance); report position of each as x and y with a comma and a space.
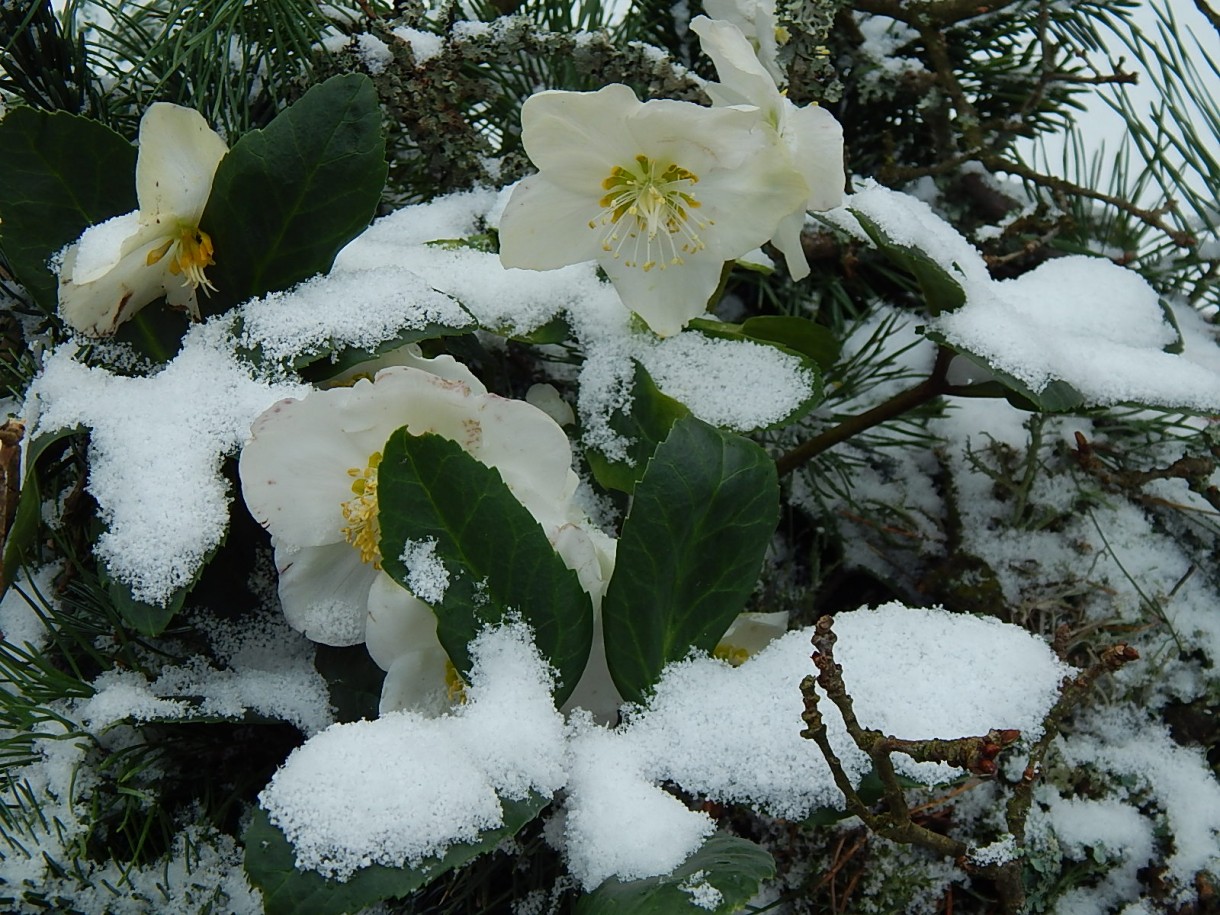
648, 421
28, 516
144, 618
1056, 397
498, 557
797, 334
271, 866
353, 680
942, 291
287, 198
690, 551
61, 174
155, 332
734, 867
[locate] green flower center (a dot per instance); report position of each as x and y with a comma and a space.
648, 214
360, 512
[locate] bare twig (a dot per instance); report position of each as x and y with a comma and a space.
930, 388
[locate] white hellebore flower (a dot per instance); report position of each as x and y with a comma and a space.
812, 136
661, 193
309, 475
119, 266
757, 22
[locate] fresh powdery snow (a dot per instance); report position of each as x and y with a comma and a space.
1082, 320
735, 383
728, 733
155, 448
359, 308
427, 577
343, 807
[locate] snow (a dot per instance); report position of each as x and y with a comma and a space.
424, 45
356, 308
148, 437
737, 383
1142, 756
427, 577
344, 808
1078, 319
100, 245
707, 374
702, 894
269, 671
20, 624
728, 733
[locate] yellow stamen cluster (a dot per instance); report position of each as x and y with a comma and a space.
360, 512
655, 197
731, 653
455, 686
192, 252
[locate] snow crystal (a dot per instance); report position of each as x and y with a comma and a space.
737, 384
424, 45
734, 733
356, 308
155, 450
1144, 758
99, 247
374, 53
702, 894
427, 577
125, 694
618, 821
1088, 322
1002, 850
268, 674
517, 301
343, 808
911, 222
1083, 320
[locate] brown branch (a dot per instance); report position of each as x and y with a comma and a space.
974, 753
997, 163
1071, 694
928, 389
1195, 470
1209, 14
939, 12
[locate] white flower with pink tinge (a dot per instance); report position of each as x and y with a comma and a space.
309, 475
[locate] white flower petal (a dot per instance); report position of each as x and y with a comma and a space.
112, 295
397, 623
294, 469
545, 226
757, 21
667, 299
416, 681
743, 78
752, 632
324, 591
787, 239
178, 157
815, 140
576, 137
